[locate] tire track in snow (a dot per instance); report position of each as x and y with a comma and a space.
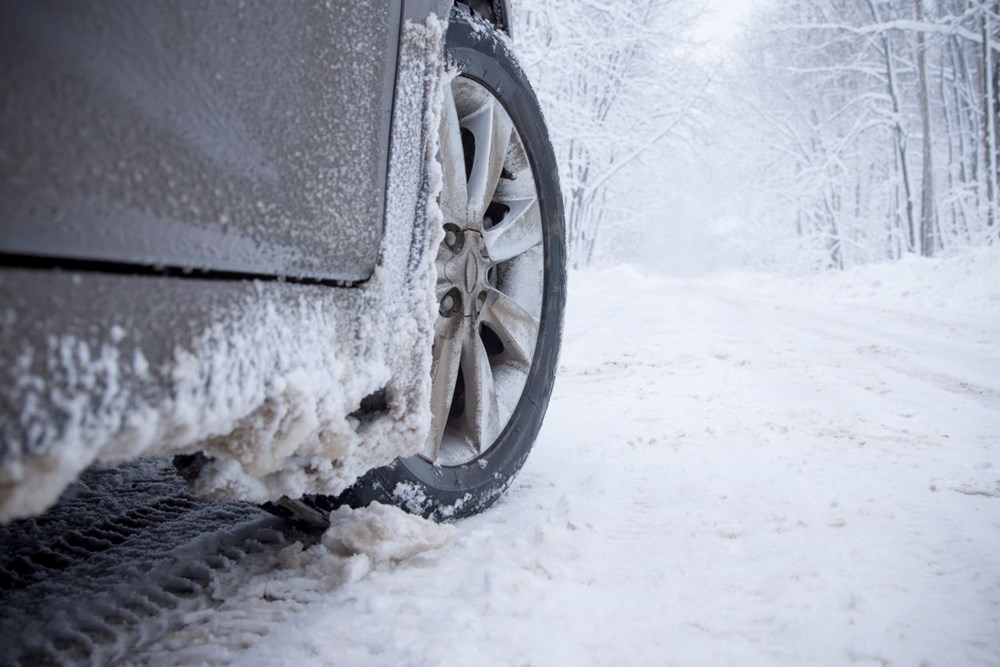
913, 347
120, 561
914, 355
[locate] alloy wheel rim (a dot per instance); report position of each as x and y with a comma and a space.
490, 276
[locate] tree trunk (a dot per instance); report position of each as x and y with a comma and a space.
900, 132
989, 117
928, 216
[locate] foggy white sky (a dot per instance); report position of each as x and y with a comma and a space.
723, 18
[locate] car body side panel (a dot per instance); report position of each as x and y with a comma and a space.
264, 376
418, 10
240, 137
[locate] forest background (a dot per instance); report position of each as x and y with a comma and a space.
822, 134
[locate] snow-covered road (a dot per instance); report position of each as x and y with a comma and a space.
735, 470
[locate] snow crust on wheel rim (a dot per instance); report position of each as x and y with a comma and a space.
490, 276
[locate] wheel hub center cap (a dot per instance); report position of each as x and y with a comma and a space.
471, 273
468, 269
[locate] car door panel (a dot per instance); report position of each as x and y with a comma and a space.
237, 137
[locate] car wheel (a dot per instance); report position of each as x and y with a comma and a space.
500, 289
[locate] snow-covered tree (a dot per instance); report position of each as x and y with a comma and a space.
616, 90
878, 125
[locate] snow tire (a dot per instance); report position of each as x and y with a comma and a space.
448, 492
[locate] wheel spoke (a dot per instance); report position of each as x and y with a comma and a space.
445, 365
454, 192
482, 413
492, 129
516, 327
519, 231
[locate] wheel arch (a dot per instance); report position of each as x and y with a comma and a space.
496, 12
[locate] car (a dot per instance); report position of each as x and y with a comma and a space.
315, 252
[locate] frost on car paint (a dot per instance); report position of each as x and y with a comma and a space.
269, 389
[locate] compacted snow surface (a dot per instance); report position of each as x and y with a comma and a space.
738, 469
